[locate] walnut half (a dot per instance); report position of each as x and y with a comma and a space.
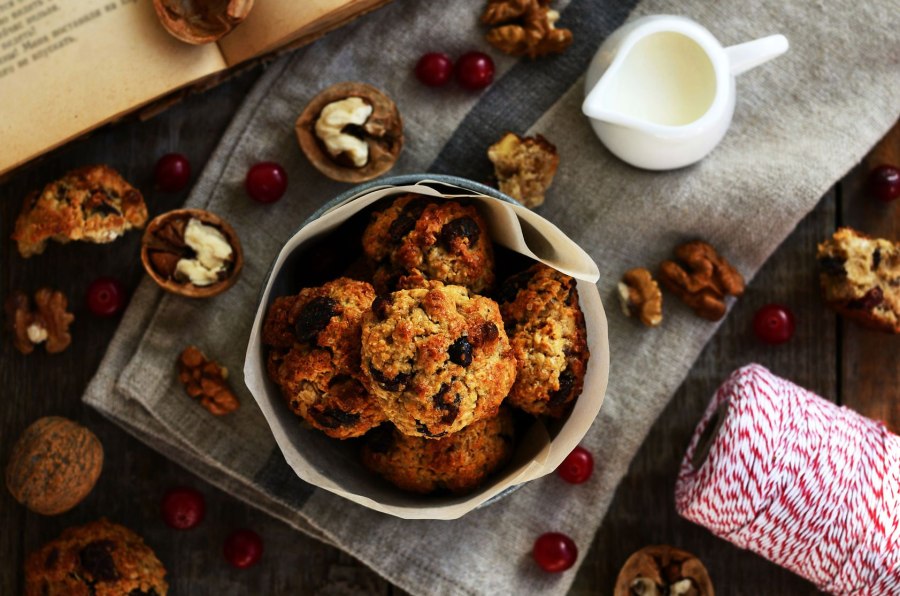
658, 570
204, 380
702, 279
47, 323
640, 296
525, 28
201, 21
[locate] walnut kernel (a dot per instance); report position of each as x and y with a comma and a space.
203, 379
525, 28
640, 295
702, 279
48, 323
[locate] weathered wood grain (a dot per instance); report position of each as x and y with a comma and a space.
870, 360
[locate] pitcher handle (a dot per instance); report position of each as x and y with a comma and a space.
745, 56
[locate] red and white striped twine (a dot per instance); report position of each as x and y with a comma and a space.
809, 485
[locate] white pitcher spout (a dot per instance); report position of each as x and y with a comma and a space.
751, 54
596, 104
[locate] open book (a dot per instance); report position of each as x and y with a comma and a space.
69, 66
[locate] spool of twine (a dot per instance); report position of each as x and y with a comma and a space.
809, 485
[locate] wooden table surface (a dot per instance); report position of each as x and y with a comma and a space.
837, 360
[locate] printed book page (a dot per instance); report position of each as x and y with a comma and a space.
67, 66
276, 23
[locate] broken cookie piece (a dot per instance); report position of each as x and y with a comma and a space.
92, 204
48, 322
525, 28
640, 296
702, 279
524, 167
861, 278
192, 252
351, 132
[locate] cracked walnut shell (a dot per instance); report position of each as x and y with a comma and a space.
47, 323
658, 570
524, 167
640, 295
203, 379
201, 21
525, 28
381, 131
702, 279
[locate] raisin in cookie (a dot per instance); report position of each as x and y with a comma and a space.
433, 239
314, 341
861, 278
93, 204
546, 329
99, 558
459, 462
437, 358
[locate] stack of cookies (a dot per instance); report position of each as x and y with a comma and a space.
421, 356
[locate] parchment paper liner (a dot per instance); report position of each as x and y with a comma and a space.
335, 467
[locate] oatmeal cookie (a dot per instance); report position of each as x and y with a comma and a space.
434, 239
546, 329
458, 462
437, 358
314, 341
99, 558
861, 278
93, 204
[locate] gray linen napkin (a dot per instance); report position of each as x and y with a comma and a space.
801, 122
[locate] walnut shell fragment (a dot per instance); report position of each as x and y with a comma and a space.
164, 244
657, 570
382, 133
201, 21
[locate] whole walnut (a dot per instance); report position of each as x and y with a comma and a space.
54, 465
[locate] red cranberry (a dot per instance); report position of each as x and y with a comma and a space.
105, 296
774, 324
266, 182
884, 183
475, 70
183, 508
555, 552
434, 69
172, 173
243, 548
577, 467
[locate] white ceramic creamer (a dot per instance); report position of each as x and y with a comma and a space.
660, 91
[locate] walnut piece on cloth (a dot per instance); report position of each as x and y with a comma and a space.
525, 28
93, 204
702, 279
201, 21
48, 323
524, 167
640, 296
203, 379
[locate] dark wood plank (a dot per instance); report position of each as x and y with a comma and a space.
643, 511
870, 362
134, 476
